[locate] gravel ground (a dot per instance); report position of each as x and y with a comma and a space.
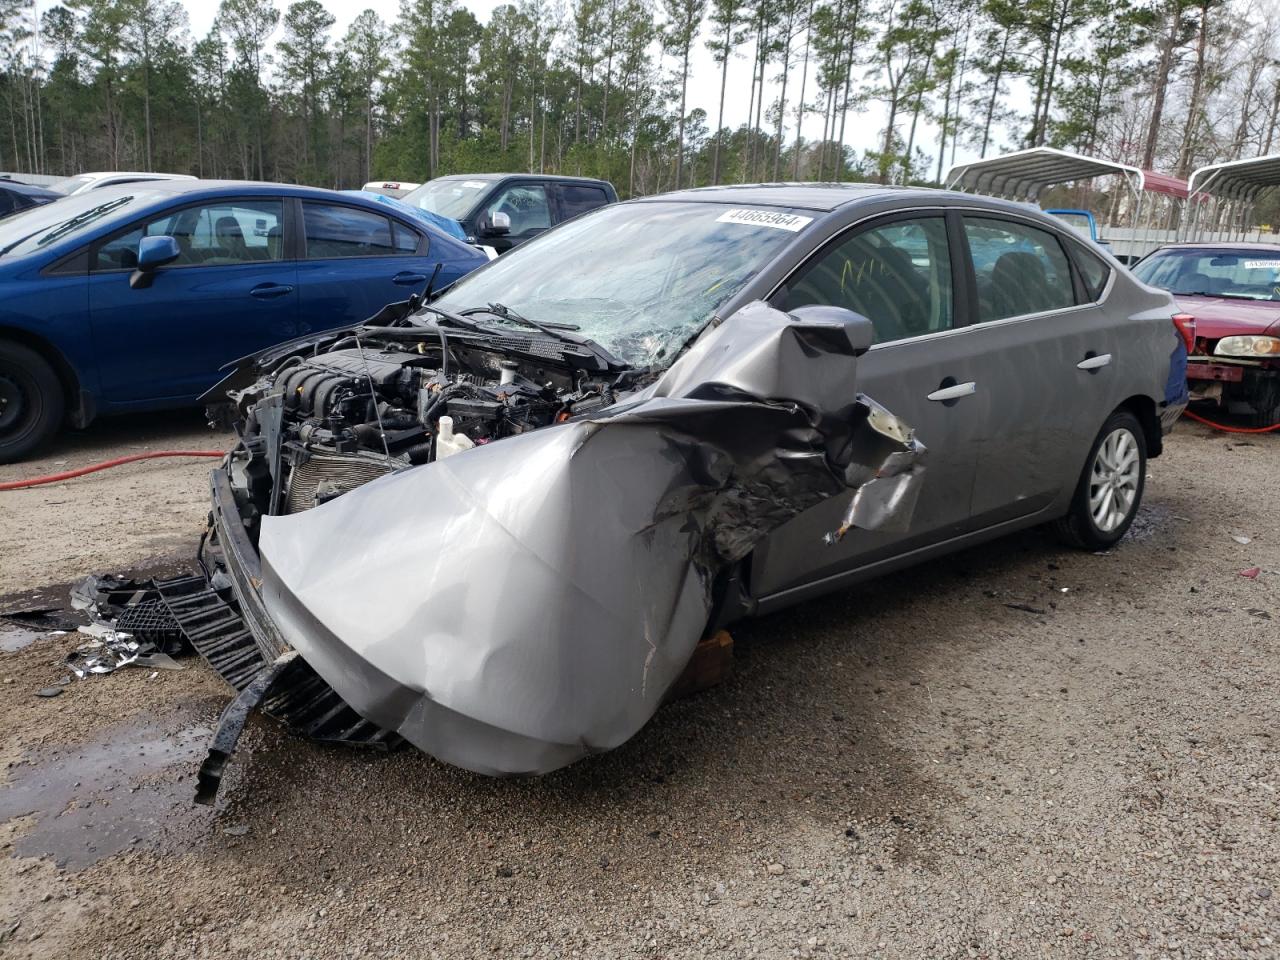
909, 769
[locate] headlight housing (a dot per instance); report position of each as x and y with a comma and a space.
1248, 347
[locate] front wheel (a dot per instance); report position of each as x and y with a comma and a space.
30, 401
1110, 489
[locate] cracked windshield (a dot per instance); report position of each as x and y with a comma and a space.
682, 260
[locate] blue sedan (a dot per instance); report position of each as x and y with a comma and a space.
132, 297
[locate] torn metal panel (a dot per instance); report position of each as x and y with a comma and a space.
519, 606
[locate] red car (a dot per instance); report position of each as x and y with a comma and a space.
1233, 291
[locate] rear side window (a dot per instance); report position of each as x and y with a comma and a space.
1019, 269
336, 232
576, 199
1094, 272
897, 275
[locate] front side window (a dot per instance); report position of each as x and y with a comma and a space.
897, 275
223, 233
335, 232
1019, 269
526, 206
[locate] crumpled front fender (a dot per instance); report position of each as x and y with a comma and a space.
517, 606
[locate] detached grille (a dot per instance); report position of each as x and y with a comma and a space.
337, 472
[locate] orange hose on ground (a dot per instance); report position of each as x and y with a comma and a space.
1222, 426
106, 464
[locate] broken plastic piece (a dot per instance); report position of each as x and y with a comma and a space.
231, 725
1251, 573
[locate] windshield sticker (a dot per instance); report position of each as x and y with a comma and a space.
473, 184
765, 218
1262, 264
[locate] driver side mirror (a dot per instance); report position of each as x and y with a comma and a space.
497, 224
856, 328
153, 253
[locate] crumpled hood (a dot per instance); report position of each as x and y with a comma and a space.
1218, 317
520, 605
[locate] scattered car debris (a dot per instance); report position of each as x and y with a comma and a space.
49, 692
1251, 573
1240, 539
130, 626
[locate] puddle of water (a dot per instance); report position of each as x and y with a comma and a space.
13, 638
96, 799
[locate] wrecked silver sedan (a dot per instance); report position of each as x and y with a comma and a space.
498, 521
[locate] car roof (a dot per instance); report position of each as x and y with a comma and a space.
823, 197
1223, 245
28, 189
494, 177
141, 174
244, 187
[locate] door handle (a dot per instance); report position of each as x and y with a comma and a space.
953, 392
1094, 362
409, 279
269, 291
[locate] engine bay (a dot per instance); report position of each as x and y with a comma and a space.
322, 421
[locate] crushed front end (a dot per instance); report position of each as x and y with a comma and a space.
524, 588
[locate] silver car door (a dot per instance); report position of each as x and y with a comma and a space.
1046, 362
900, 272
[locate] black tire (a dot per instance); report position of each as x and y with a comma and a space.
31, 401
1263, 394
1081, 527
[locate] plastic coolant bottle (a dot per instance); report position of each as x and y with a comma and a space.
447, 442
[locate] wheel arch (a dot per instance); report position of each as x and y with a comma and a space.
79, 404
1144, 408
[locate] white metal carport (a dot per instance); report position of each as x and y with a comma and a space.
1025, 174
1224, 195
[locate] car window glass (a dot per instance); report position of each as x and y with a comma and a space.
1244, 273
6, 202
216, 234
526, 206
1019, 269
405, 239
898, 275
1094, 272
576, 199
334, 231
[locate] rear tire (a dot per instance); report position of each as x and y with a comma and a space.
1109, 492
31, 401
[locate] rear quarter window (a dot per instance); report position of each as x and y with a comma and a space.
1093, 271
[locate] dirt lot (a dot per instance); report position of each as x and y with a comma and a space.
910, 769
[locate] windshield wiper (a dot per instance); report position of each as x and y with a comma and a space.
503, 312
78, 220
457, 321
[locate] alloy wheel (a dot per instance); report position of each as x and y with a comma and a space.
1113, 479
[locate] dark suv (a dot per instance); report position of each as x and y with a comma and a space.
500, 210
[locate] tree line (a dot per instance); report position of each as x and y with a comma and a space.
601, 88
